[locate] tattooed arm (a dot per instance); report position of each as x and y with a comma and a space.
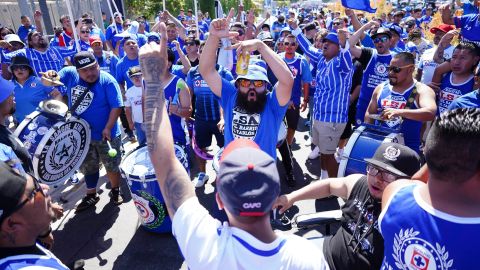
173, 179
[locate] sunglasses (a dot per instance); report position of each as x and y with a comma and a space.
190, 44
336, 23
20, 68
240, 32
247, 83
380, 39
410, 25
85, 32
36, 193
395, 69
293, 44
126, 25
387, 177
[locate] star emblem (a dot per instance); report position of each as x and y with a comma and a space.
63, 152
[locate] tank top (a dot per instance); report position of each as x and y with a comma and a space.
450, 91
425, 238
388, 98
177, 122
375, 73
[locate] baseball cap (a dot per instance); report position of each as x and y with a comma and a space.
6, 89
248, 181
286, 29
134, 71
152, 36
265, 36
333, 37
255, 72
83, 60
13, 38
94, 40
12, 187
396, 28
310, 26
382, 31
442, 27
396, 158
117, 14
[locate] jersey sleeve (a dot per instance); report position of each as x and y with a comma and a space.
306, 73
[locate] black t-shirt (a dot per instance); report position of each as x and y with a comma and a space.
193, 63
365, 57
7, 138
359, 218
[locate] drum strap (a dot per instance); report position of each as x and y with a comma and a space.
412, 97
79, 100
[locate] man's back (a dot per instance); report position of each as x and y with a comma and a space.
206, 244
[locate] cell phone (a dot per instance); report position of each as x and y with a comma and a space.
87, 20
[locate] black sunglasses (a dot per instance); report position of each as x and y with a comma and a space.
85, 32
37, 189
290, 44
395, 69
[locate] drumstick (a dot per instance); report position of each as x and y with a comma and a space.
111, 151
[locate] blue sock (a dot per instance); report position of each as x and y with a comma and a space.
91, 180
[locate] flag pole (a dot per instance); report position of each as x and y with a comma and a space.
75, 34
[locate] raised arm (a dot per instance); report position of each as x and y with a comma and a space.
173, 179
37, 17
444, 43
183, 58
313, 53
340, 187
355, 50
446, 14
219, 28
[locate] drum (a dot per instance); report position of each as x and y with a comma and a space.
282, 134
57, 145
137, 168
362, 144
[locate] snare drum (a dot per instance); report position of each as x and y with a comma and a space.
57, 145
137, 168
362, 144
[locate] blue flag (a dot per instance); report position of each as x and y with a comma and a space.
359, 5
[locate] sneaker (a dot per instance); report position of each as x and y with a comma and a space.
132, 139
115, 196
200, 180
88, 201
290, 179
315, 153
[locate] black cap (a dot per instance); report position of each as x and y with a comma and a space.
12, 187
83, 60
134, 71
20, 60
382, 31
396, 158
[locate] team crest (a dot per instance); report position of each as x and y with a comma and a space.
381, 69
391, 153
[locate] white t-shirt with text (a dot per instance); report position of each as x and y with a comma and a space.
133, 99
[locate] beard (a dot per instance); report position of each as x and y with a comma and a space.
393, 81
42, 43
249, 106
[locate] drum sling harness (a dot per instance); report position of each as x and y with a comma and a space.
78, 101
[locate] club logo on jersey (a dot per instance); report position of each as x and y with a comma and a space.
244, 125
77, 91
413, 252
381, 69
395, 102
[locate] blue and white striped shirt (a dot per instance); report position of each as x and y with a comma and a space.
333, 83
52, 59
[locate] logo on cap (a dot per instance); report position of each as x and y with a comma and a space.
391, 153
84, 61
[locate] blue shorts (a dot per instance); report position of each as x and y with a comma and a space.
204, 130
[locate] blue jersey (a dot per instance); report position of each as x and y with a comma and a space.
260, 127
470, 27
52, 59
108, 63
23, 32
122, 70
450, 91
418, 236
29, 96
206, 104
177, 122
388, 98
333, 83
172, 46
46, 261
104, 95
298, 65
470, 100
374, 73
110, 33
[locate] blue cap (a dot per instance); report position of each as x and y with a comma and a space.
255, 72
6, 89
286, 29
333, 37
152, 36
396, 28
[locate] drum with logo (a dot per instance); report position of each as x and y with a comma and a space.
362, 144
57, 145
137, 168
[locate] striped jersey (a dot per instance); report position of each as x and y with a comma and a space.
45, 261
333, 83
52, 59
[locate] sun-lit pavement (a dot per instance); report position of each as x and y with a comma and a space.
110, 237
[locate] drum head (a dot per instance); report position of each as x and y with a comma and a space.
54, 107
61, 151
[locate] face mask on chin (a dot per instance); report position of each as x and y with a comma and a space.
252, 107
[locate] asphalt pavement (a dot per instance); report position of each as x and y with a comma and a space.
111, 237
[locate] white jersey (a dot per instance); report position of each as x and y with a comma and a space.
133, 99
207, 244
427, 65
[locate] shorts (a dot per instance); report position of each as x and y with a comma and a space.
326, 136
292, 116
204, 130
98, 152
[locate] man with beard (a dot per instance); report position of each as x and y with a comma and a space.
7, 108
250, 111
25, 215
41, 56
403, 102
374, 63
100, 108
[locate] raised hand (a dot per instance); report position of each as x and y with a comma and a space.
292, 23
220, 27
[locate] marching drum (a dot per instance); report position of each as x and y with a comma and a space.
362, 144
137, 168
57, 145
